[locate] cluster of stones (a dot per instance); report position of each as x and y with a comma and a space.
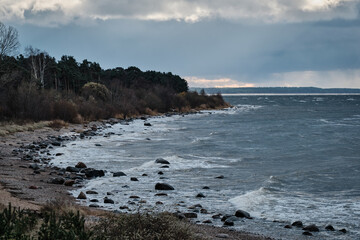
309, 229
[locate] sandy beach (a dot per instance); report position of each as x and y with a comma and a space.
25, 188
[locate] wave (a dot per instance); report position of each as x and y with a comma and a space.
178, 163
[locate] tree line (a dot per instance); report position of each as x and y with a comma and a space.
36, 86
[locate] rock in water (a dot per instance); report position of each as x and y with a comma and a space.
242, 214
311, 228
108, 200
81, 196
118, 174
163, 186
161, 161
80, 165
200, 195
307, 233
343, 230
190, 215
134, 179
147, 124
297, 224
90, 173
228, 223
330, 228
91, 192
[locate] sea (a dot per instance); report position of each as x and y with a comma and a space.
283, 158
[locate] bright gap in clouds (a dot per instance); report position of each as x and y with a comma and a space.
323, 79
216, 83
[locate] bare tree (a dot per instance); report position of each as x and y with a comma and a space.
38, 63
9, 42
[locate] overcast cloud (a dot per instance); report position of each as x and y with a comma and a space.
210, 42
55, 12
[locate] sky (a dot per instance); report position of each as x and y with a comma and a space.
210, 43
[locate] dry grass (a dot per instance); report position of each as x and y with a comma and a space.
57, 124
10, 127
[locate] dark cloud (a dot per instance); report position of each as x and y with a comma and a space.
213, 48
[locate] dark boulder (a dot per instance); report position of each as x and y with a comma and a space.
288, 226
165, 166
57, 180
91, 192
93, 205
80, 165
163, 186
200, 195
81, 196
206, 187
161, 195
118, 174
69, 183
242, 214
220, 177
56, 143
72, 169
134, 179
190, 215
204, 211
343, 230
307, 233
216, 216
228, 223
297, 224
94, 200
91, 173
226, 216
207, 221
162, 161
311, 228
108, 200
330, 228
160, 173
147, 124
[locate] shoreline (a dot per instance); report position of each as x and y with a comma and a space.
26, 189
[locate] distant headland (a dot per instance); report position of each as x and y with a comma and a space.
278, 90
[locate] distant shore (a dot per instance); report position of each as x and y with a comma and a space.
27, 188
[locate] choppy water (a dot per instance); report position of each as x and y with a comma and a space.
284, 158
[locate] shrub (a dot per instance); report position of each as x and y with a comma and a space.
97, 90
15, 223
64, 110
